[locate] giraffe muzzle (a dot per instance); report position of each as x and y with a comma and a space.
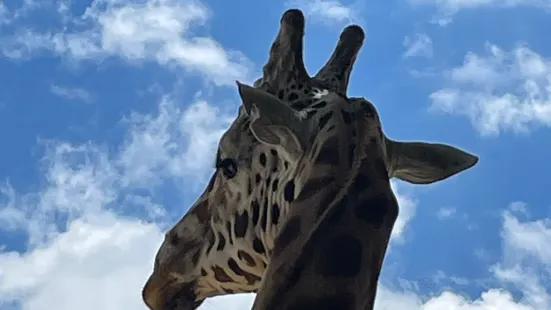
163, 294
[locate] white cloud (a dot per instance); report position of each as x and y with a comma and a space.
447, 8
4, 14
518, 267
519, 207
408, 207
81, 236
102, 261
446, 212
173, 143
71, 93
441, 275
329, 12
85, 178
153, 30
418, 45
499, 91
530, 237
527, 258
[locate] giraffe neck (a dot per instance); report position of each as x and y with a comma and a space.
332, 245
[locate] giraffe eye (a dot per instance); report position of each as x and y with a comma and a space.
228, 166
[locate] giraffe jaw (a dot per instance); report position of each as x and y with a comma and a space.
159, 294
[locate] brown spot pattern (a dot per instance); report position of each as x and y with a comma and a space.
324, 120
314, 186
244, 256
258, 246
201, 210
288, 234
255, 209
241, 223
220, 275
221, 242
289, 191
341, 256
251, 278
329, 153
373, 210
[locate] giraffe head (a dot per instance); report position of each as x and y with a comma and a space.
222, 245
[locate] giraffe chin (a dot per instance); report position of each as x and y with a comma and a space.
182, 303
183, 298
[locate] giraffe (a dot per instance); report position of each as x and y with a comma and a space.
291, 133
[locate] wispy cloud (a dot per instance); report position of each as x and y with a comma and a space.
528, 258
329, 12
71, 93
447, 8
102, 260
173, 143
499, 91
408, 207
445, 213
4, 14
528, 236
153, 30
418, 45
91, 227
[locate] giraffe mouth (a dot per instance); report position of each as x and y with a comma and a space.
170, 295
182, 302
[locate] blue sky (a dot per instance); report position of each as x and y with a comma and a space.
110, 111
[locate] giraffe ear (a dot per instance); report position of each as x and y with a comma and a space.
425, 163
273, 121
